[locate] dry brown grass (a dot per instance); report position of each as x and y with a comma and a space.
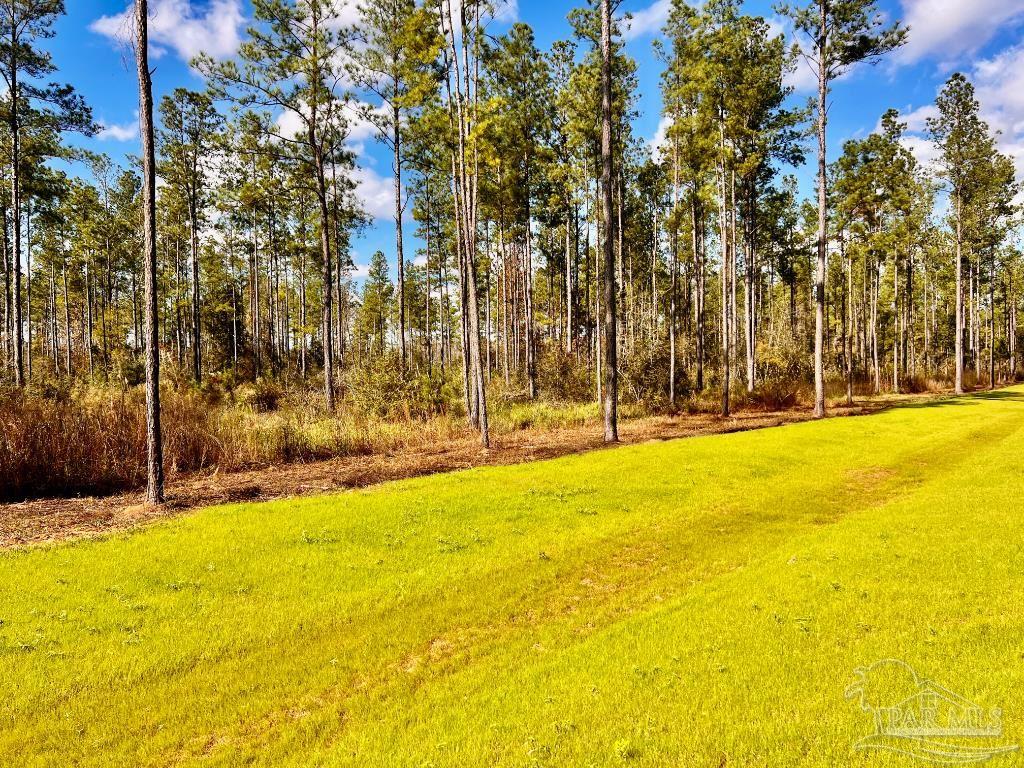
93, 441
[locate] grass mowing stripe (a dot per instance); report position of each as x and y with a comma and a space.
282, 629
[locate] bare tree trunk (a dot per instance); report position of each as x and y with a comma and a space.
673, 277
51, 316
621, 305
487, 306
320, 171
568, 285
724, 241
611, 363
155, 470
28, 291
875, 279
748, 302
654, 277
1012, 327
958, 345
847, 319
992, 324
426, 278
89, 318
8, 268
67, 318
700, 251
399, 252
819, 277
197, 353
466, 202
895, 324
975, 320
504, 305
531, 340
15, 130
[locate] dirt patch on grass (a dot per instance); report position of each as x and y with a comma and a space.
868, 478
46, 520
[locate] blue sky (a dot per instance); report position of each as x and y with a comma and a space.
979, 37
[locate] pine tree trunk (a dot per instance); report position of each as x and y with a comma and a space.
724, 239
992, 325
67, 319
673, 277
959, 271
895, 325
7, 267
819, 277
197, 354
701, 255
399, 252
15, 131
847, 319
611, 364
531, 340
154, 445
748, 302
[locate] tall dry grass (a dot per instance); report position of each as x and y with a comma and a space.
92, 441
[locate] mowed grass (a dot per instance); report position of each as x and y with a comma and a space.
702, 602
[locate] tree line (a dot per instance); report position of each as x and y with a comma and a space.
552, 249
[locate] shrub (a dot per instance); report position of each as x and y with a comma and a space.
263, 396
381, 389
561, 377
774, 395
378, 388
645, 378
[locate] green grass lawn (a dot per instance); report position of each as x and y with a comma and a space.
702, 602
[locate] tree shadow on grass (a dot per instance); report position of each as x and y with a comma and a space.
968, 398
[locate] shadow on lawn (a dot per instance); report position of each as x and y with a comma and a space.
1003, 395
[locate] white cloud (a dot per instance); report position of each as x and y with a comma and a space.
347, 14
923, 149
660, 136
289, 124
507, 11
359, 271
115, 132
947, 29
917, 119
375, 193
183, 27
647, 21
776, 26
361, 128
999, 87
999, 84
803, 78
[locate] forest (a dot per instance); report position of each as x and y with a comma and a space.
548, 265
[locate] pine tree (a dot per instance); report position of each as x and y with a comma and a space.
395, 58
289, 63
24, 65
187, 143
836, 35
964, 144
